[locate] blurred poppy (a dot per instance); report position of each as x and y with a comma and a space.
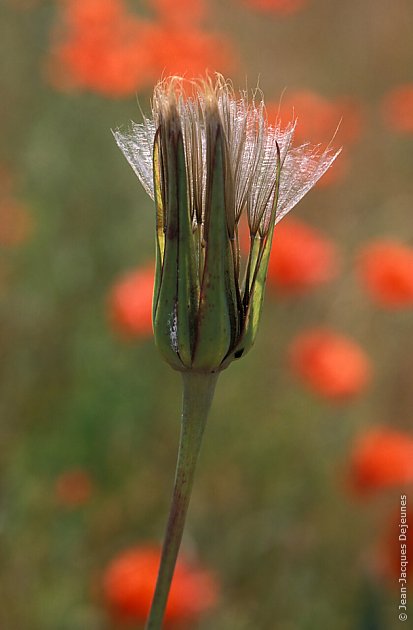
82, 15
386, 270
397, 108
190, 52
330, 364
285, 7
301, 257
180, 12
73, 488
102, 48
130, 303
15, 223
129, 582
380, 458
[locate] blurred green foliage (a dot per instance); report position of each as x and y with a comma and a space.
270, 512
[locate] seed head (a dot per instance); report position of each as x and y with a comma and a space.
208, 158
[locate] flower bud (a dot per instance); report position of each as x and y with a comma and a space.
207, 160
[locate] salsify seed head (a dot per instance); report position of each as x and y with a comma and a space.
208, 158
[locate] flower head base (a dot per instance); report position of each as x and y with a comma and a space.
206, 159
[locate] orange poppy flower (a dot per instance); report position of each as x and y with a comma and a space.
130, 303
397, 108
15, 223
190, 52
381, 457
73, 488
103, 49
330, 364
386, 270
301, 257
83, 15
285, 7
180, 12
129, 582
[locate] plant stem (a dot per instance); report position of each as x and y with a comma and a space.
198, 391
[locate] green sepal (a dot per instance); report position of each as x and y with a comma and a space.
188, 285
260, 256
160, 219
255, 243
256, 300
232, 251
216, 321
165, 322
233, 295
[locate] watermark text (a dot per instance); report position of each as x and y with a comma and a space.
403, 530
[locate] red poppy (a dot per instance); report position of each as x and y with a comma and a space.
301, 257
83, 15
180, 12
190, 52
73, 488
131, 303
381, 457
397, 108
285, 7
330, 364
386, 271
102, 48
129, 582
15, 223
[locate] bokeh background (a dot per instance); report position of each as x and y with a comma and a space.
308, 447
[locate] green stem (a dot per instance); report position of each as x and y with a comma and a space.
198, 391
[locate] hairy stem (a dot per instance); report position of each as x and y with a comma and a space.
198, 391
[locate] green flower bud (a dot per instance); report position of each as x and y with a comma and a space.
207, 160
